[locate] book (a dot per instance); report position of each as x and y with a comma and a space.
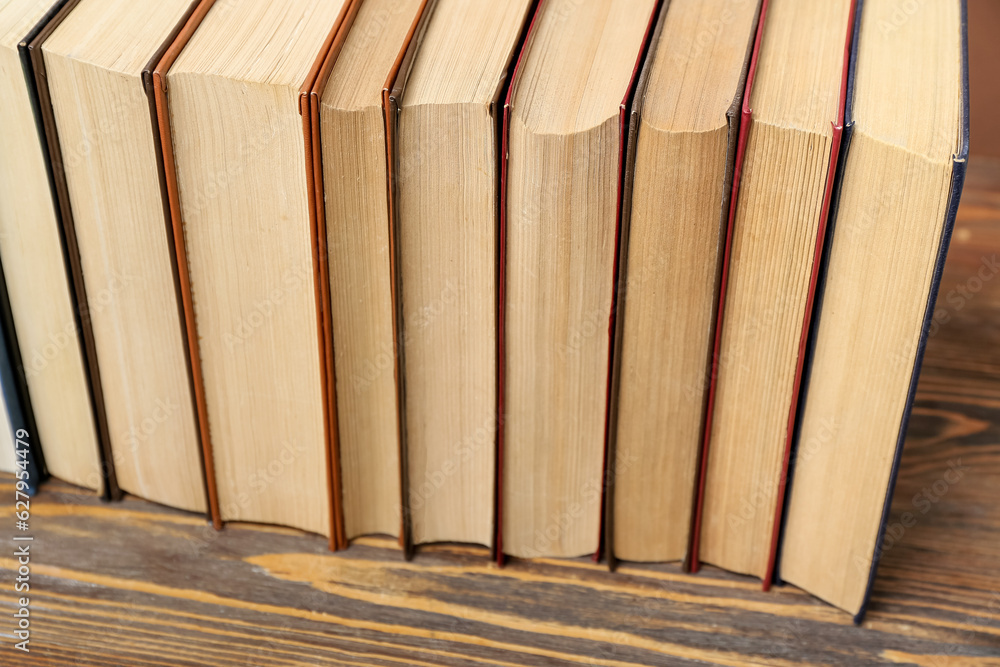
446, 180
564, 143
93, 63
683, 131
36, 250
906, 144
20, 452
227, 94
350, 101
649, 279
795, 92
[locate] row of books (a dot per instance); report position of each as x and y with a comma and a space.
559, 278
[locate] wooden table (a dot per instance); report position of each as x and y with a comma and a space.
137, 584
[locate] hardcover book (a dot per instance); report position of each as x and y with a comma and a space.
682, 140
789, 147
100, 128
352, 158
41, 266
227, 95
446, 108
565, 139
896, 198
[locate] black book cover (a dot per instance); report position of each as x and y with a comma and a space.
29, 462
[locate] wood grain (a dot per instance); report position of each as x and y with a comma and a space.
137, 584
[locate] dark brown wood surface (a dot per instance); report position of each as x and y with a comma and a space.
133, 583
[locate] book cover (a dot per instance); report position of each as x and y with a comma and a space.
33, 65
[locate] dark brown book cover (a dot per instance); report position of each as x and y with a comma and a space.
33, 63
502, 281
